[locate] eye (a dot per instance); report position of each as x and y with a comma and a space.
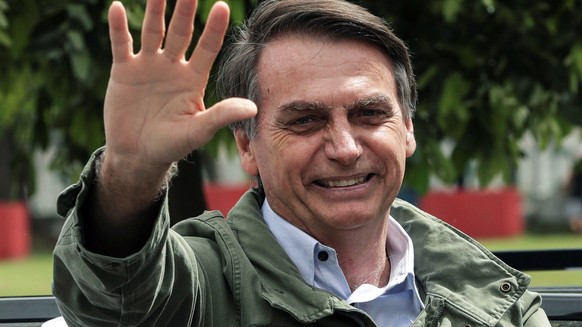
303, 120
370, 115
305, 124
371, 112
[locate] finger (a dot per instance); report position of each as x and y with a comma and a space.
121, 41
180, 29
218, 116
152, 33
211, 39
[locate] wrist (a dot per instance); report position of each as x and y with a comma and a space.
134, 176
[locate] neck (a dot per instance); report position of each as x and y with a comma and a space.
363, 258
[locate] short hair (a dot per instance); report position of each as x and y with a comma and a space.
324, 19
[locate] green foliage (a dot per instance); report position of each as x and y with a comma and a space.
4, 39
53, 64
488, 72
54, 67
574, 63
238, 9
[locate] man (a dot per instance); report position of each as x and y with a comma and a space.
320, 240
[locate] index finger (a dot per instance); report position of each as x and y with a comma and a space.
211, 39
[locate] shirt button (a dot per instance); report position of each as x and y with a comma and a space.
322, 256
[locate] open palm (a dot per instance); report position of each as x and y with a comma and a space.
154, 109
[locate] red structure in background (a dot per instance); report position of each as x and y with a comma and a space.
223, 197
482, 213
14, 230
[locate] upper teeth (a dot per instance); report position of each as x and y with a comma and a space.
343, 182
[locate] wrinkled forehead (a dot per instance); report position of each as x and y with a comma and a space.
287, 53
330, 74
323, 37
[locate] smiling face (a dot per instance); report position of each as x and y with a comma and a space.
332, 140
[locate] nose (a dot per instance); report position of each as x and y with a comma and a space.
342, 145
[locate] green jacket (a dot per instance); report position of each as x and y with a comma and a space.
211, 271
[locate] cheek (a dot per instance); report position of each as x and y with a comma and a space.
286, 160
390, 140
271, 160
390, 151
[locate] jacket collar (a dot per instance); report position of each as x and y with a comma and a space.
449, 266
282, 284
453, 267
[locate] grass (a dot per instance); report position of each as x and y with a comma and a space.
542, 241
33, 275
27, 276
534, 241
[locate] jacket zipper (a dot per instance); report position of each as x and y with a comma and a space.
440, 312
438, 307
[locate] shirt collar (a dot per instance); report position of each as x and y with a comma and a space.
302, 249
298, 245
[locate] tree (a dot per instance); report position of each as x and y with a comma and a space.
54, 62
488, 72
53, 80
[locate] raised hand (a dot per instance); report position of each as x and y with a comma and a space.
154, 109
154, 115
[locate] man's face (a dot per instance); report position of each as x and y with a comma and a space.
332, 141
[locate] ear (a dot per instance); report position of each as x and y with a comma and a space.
410, 140
246, 153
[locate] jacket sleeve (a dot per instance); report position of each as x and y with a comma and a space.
96, 290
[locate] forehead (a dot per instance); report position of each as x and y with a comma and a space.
296, 68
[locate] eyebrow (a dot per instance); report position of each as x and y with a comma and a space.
301, 105
368, 102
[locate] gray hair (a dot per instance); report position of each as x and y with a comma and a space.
326, 19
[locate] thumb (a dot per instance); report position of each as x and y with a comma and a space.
224, 113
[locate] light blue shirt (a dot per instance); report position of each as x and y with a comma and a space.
396, 304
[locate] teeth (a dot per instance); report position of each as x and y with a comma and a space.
343, 182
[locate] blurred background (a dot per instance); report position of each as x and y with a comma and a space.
498, 124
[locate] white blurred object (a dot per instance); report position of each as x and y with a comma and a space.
57, 322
